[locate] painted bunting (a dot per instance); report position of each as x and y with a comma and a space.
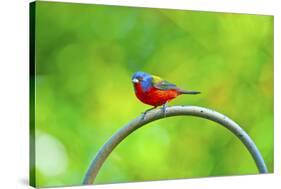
155, 91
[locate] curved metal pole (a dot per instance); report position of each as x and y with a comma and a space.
156, 114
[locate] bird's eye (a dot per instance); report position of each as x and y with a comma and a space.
140, 78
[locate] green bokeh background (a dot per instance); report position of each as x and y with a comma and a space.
85, 57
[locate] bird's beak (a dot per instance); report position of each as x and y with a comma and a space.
135, 80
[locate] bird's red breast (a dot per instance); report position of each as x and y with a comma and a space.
154, 96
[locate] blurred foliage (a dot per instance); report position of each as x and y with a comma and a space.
85, 57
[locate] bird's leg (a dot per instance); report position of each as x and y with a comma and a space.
164, 108
144, 113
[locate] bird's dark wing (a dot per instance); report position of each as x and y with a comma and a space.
162, 84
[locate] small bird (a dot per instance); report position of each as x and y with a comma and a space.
155, 91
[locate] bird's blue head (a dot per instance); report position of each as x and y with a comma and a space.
143, 78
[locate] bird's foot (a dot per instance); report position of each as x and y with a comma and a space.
145, 112
143, 115
164, 109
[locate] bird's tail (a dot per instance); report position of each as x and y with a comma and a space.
188, 92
